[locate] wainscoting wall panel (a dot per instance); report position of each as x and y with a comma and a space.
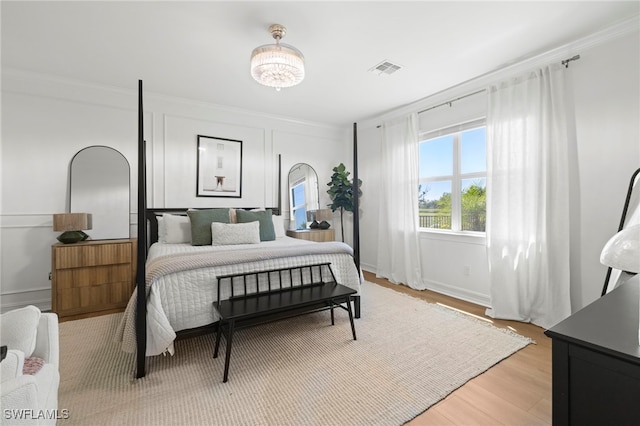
47, 119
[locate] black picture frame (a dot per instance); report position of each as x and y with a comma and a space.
219, 167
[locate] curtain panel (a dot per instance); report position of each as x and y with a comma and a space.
529, 133
398, 244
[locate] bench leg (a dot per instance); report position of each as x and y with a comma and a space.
356, 305
218, 335
353, 326
228, 355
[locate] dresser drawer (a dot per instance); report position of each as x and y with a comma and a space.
92, 276
86, 299
79, 256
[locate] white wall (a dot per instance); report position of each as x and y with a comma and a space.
607, 103
46, 120
606, 91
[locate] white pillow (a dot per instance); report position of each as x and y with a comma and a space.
224, 234
177, 229
278, 225
19, 328
162, 230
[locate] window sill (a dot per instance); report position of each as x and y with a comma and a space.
467, 237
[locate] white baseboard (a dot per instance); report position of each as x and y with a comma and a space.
448, 290
459, 293
39, 298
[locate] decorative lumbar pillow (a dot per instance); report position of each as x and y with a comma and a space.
177, 229
201, 224
19, 328
278, 226
224, 234
267, 231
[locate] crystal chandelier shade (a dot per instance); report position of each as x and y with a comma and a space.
277, 65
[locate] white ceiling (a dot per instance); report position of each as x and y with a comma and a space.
200, 50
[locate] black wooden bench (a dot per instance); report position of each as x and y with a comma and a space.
259, 297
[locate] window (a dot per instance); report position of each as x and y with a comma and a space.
453, 178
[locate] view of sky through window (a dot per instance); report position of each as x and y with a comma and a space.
436, 159
474, 153
299, 210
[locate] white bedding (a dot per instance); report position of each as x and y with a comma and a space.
184, 299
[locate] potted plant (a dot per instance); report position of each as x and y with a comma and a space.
341, 192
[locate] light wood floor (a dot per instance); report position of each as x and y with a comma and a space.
517, 391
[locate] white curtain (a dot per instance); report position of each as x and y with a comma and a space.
529, 126
398, 245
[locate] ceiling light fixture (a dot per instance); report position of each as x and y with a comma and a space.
277, 65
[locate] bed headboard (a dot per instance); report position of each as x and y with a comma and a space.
152, 218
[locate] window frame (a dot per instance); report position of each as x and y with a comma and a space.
457, 177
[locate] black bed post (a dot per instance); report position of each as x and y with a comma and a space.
280, 184
356, 214
141, 300
356, 201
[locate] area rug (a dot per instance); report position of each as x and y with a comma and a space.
409, 355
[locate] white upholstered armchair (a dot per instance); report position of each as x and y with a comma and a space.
29, 373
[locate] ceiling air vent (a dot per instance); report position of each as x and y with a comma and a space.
385, 68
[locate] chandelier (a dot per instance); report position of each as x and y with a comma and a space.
277, 65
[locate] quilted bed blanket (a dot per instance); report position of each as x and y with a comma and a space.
181, 282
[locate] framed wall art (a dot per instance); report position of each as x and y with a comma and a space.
219, 169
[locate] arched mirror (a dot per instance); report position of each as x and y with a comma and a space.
303, 194
100, 185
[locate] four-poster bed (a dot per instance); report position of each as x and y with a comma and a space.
174, 280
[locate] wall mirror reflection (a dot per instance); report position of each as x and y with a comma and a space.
100, 185
303, 194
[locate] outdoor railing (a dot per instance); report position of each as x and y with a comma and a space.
469, 222
438, 222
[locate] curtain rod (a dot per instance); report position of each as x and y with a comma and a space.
452, 101
564, 62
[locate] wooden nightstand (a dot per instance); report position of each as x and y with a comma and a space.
92, 278
318, 235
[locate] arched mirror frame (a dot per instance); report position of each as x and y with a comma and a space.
302, 183
100, 184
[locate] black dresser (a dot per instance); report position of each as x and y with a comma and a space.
596, 362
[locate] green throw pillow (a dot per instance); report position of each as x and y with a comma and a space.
267, 231
201, 224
